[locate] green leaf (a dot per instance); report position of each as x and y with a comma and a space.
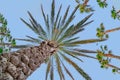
13, 43
1, 50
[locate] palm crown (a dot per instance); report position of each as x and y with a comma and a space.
63, 35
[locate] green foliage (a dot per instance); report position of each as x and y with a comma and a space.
6, 40
103, 60
84, 7
1, 50
101, 32
114, 70
115, 14
102, 4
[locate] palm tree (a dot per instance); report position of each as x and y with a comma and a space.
56, 43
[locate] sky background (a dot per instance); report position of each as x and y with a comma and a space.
14, 9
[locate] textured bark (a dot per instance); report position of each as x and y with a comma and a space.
20, 64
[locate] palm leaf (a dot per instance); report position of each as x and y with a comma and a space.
84, 50
71, 54
58, 14
52, 70
85, 75
55, 29
59, 68
52, 12
82, 54
28, 40
28, 25
70, 40
79, 29
78, 25
21, 46
34, 39
48, 69
73, 30
67, 33
62, 30
87, 41
70, 19
45, 19
68, 72
37, 28
65, 16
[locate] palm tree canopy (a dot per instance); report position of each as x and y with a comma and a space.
63, 34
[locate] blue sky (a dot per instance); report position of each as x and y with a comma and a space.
13, 10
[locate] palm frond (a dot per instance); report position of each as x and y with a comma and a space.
48, 69
73, 30
67, 71
57, 17
52, 70
79, 29
80, 23
52, 12
65, 16
81, 72
28, 25
82, 54
55, 29
84, 50
59, 68
37, 28
67, 33
78, 42
87, 41
34, 39
70, 53
70, 40
27, 40
65, 26
44, 17
46, 20
69, 19
21, 46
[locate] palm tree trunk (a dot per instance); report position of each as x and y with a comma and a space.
20, 64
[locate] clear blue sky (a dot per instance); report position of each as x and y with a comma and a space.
14, 9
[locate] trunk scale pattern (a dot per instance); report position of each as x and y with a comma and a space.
20, 64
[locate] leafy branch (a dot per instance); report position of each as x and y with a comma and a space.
102, 33
102, 4
6, 40
84, 7
115, 14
